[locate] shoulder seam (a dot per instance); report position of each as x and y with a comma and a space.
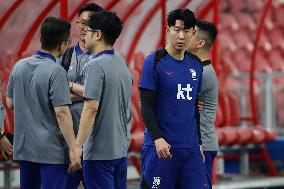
194, 56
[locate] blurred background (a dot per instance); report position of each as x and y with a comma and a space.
248, 57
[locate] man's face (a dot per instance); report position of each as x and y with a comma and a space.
196, 41
81, 24
89, 38
193, 43
179, 36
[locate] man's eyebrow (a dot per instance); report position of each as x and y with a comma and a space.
180, 28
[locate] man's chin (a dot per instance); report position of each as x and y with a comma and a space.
180, 48
82, 39
87, 47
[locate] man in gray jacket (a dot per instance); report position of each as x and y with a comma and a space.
39, 94
200, 45
74, 60
105, 121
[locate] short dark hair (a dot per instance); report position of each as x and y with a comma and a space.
92, 7
185, 15
108, 23
210, 31
53, 32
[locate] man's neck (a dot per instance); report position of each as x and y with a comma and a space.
82, 46
55, 54
177, 54
202, 54
101, 47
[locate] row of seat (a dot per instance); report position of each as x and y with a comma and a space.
229, 128
240, 61
243, 5
245, 39
244, 135
246, 21
237, 31
233, 12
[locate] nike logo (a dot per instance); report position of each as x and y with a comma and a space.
170, 73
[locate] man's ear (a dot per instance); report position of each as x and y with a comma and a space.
167, 29
61, 46
98, 34
201, 43
193, 31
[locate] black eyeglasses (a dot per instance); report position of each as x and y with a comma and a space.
89, 30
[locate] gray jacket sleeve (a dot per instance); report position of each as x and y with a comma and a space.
59, 92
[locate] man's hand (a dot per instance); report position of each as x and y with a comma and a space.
163, 149
200, 105
6, 147
76, 98
75, 162
201, 151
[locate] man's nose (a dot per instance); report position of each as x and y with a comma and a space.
181, 34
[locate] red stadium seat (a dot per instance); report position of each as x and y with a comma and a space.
246, 21
219, 121
245, 135
276, 60
224, 104
270, 135
279, 15
258, 136
228, 64
235, 110
254, 5
221, 136
227, 41
242, 60
230, 136
236, 6
243, 40
228, 21
276, 37
264, 43
225, 6
262, 64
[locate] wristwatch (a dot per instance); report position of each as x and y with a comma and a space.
1, 134
70, 85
